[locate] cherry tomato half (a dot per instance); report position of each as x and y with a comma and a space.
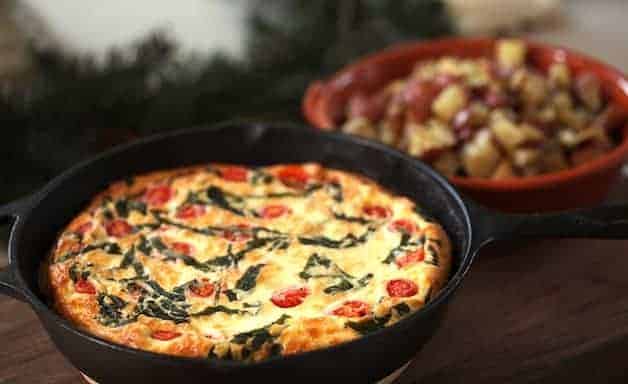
290, 297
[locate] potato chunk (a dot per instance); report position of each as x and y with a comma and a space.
360, 126
511, 53
571, 138
480, 156
511, 135
449, 102
426, 138
504, 171
448, 163
559, 75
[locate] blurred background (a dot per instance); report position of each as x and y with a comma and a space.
78, 76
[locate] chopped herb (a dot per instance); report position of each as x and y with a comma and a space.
318, 266
343, 285
220, 308
163, 308
158, 244
159, 290
231, 295
406, 244
348, 241
110, 311
129, 258
402, 309
77, 272
124, 207
351, 219
257, 337
368, 326
110, 248
434, 260
225, 200
249, 278
261, 177
335, 190
364, 280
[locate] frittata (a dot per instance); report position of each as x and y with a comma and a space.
233, 262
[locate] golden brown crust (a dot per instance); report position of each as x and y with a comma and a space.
244, 263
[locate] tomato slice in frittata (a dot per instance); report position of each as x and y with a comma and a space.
243, 263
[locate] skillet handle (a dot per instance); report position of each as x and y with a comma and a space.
9, 213
604, 222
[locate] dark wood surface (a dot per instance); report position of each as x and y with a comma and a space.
551, 311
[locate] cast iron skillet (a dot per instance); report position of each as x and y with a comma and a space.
40, 217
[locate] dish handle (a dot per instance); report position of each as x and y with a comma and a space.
603, 222
10, 213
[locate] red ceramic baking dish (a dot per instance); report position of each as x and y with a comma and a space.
584, 185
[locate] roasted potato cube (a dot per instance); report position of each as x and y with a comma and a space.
571, 138
534, 90
429, 137
479, 113
480, 156
447, 164
504, 171
511, 53
511, 135
588, 90
449, 102
450, 66
577, 119
360, 126
546, 114
562, 101
390, 130
559, 75
526, 157
516, 81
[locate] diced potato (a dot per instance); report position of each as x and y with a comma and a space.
588, 90
516, 81
425, 138
504, 171
390, 131
562, 101
449, 102
547, 114
559, 75
526, 157
571, 138
447, 163
450, 65
511, 135
479, 113
534, 90
511, 53
480, 156
360, 126
577, 119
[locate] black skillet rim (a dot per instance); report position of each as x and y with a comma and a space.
39, 306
